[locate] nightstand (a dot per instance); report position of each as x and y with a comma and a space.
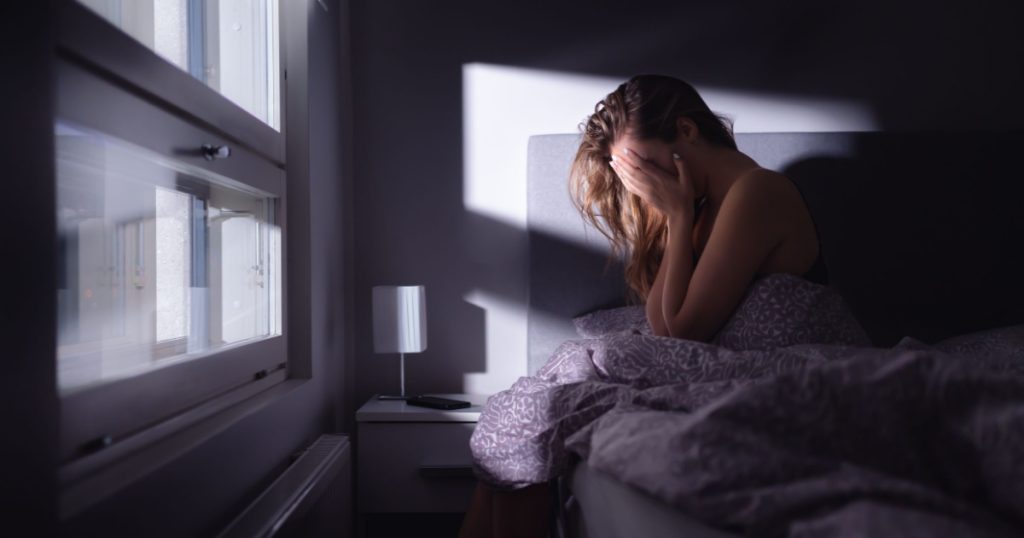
415, 459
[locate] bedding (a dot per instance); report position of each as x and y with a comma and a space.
632, 319
792, 431
778, 310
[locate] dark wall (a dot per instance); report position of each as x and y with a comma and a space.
947, 66
28, 391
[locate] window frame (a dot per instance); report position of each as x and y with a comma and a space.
96, 64
86, 37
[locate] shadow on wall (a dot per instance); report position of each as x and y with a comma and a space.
922, 232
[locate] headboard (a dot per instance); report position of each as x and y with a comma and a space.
922, 233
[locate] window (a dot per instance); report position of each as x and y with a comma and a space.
170, 178
160, 262
231, 45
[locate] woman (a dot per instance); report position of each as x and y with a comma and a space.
699, 218
659, 174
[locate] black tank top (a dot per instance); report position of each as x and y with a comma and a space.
818, 273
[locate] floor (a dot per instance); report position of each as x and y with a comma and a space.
418, 525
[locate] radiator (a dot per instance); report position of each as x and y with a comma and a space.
298, 488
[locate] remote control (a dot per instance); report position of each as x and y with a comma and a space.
437, 402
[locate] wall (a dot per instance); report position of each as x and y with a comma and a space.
446, 93
28, 391
200, 492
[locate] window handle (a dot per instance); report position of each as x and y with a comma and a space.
211, 152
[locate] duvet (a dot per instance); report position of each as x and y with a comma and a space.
788, 424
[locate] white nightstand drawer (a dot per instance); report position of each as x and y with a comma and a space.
415, 466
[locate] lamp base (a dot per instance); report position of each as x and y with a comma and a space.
401, 381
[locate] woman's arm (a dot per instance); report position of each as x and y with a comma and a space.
655, 316
672, 196
678, 262
698, 300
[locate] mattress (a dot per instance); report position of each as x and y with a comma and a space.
607, 508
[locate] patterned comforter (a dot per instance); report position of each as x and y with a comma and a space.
776, 428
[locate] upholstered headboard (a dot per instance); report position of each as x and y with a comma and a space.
922, 233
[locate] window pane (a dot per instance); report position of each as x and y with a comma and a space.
172, 249
231, 45
159, 261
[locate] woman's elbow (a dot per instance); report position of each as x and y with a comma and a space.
679, 332
660, 330
686, 330
657, 323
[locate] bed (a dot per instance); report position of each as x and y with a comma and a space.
921, 234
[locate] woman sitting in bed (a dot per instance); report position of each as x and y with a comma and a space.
660, 175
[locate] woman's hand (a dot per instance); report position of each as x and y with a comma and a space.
669, 194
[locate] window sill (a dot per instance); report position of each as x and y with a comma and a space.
92, 478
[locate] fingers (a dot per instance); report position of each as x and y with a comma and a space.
622, 173
634, 177
629, 180
680, 168
632, 160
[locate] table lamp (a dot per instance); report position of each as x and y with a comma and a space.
399, 325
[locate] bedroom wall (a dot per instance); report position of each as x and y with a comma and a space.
28, 394
446, 93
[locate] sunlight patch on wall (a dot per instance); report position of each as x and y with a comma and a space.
766, 113
505, 343
503, 106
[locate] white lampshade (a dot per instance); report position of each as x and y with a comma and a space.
399, 319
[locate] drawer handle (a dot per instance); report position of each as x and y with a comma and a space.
446, 471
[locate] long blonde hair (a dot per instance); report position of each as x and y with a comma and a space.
649, 106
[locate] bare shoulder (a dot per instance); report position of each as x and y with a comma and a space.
764, 181
762, 188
